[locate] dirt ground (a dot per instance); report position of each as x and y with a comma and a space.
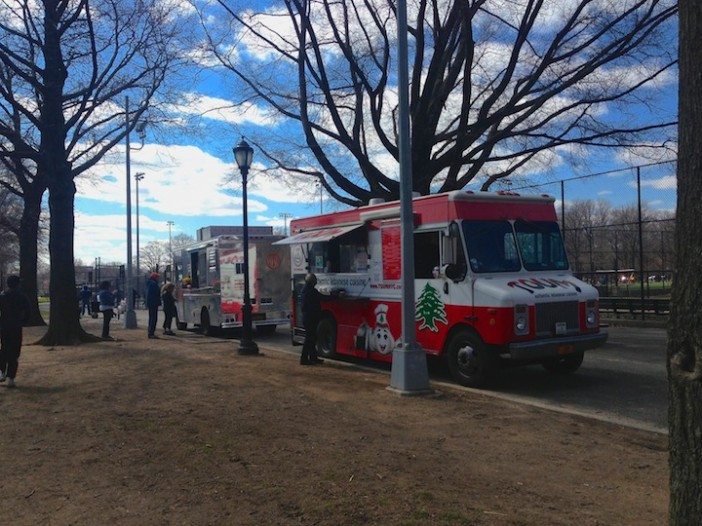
184, 431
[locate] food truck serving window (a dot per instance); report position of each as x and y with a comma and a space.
541, 245
491, 246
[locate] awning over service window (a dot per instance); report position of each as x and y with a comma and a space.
320, 235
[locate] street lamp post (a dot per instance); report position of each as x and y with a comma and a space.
321, 202
409, 375
170, 245
243, 153
285, 216
130, 321
138, 177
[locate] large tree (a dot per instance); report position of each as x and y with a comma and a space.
21, 179
685, 328
72, 64
495, 84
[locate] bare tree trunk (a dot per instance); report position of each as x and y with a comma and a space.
28, 236
64, 328
685, 330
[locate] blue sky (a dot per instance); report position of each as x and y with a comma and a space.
191, 179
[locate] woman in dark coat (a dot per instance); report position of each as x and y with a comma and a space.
169, 307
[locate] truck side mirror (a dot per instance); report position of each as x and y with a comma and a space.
451, 271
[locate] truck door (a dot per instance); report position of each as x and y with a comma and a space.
431, 291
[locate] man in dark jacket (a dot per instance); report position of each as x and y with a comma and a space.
14, 313
311, 301
153, 301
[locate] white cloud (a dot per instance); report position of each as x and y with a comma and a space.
202, 56
225, 111
646, 154
281, 187
104, 235
179, 181
666, 182
604, 192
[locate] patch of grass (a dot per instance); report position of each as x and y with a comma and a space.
420, 515
425, 496
454, 517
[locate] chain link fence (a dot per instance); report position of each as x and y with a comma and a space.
619, 229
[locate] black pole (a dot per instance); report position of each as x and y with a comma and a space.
641, 254
563, 211
246, 345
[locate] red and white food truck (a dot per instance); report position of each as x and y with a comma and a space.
210, 276
492, 283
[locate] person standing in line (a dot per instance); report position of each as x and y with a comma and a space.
14, 313
153, 301
107, 304
311, 300
85, 296
169, 307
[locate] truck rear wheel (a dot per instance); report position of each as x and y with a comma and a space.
326, 338
469, 361
265, 329
205, 327
564, 364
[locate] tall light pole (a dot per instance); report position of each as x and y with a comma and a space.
138, 177
243, 153
130, 321
409, 374
321, 202
285, 216
170, 245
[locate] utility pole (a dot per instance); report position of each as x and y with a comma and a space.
409, 375
285, 216
138, 177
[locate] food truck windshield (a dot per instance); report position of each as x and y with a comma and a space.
496, 246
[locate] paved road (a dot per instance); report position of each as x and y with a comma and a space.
624, 381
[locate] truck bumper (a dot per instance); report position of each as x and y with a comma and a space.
256, 323
553, 347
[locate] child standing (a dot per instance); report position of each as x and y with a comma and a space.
14, 313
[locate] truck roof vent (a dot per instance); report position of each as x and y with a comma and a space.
376, 201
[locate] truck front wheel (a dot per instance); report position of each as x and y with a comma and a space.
564, 364
265, 329
469, 361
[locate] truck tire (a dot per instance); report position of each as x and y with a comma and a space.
205, 327
567, 364
326, 338
469, 361
265, 329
